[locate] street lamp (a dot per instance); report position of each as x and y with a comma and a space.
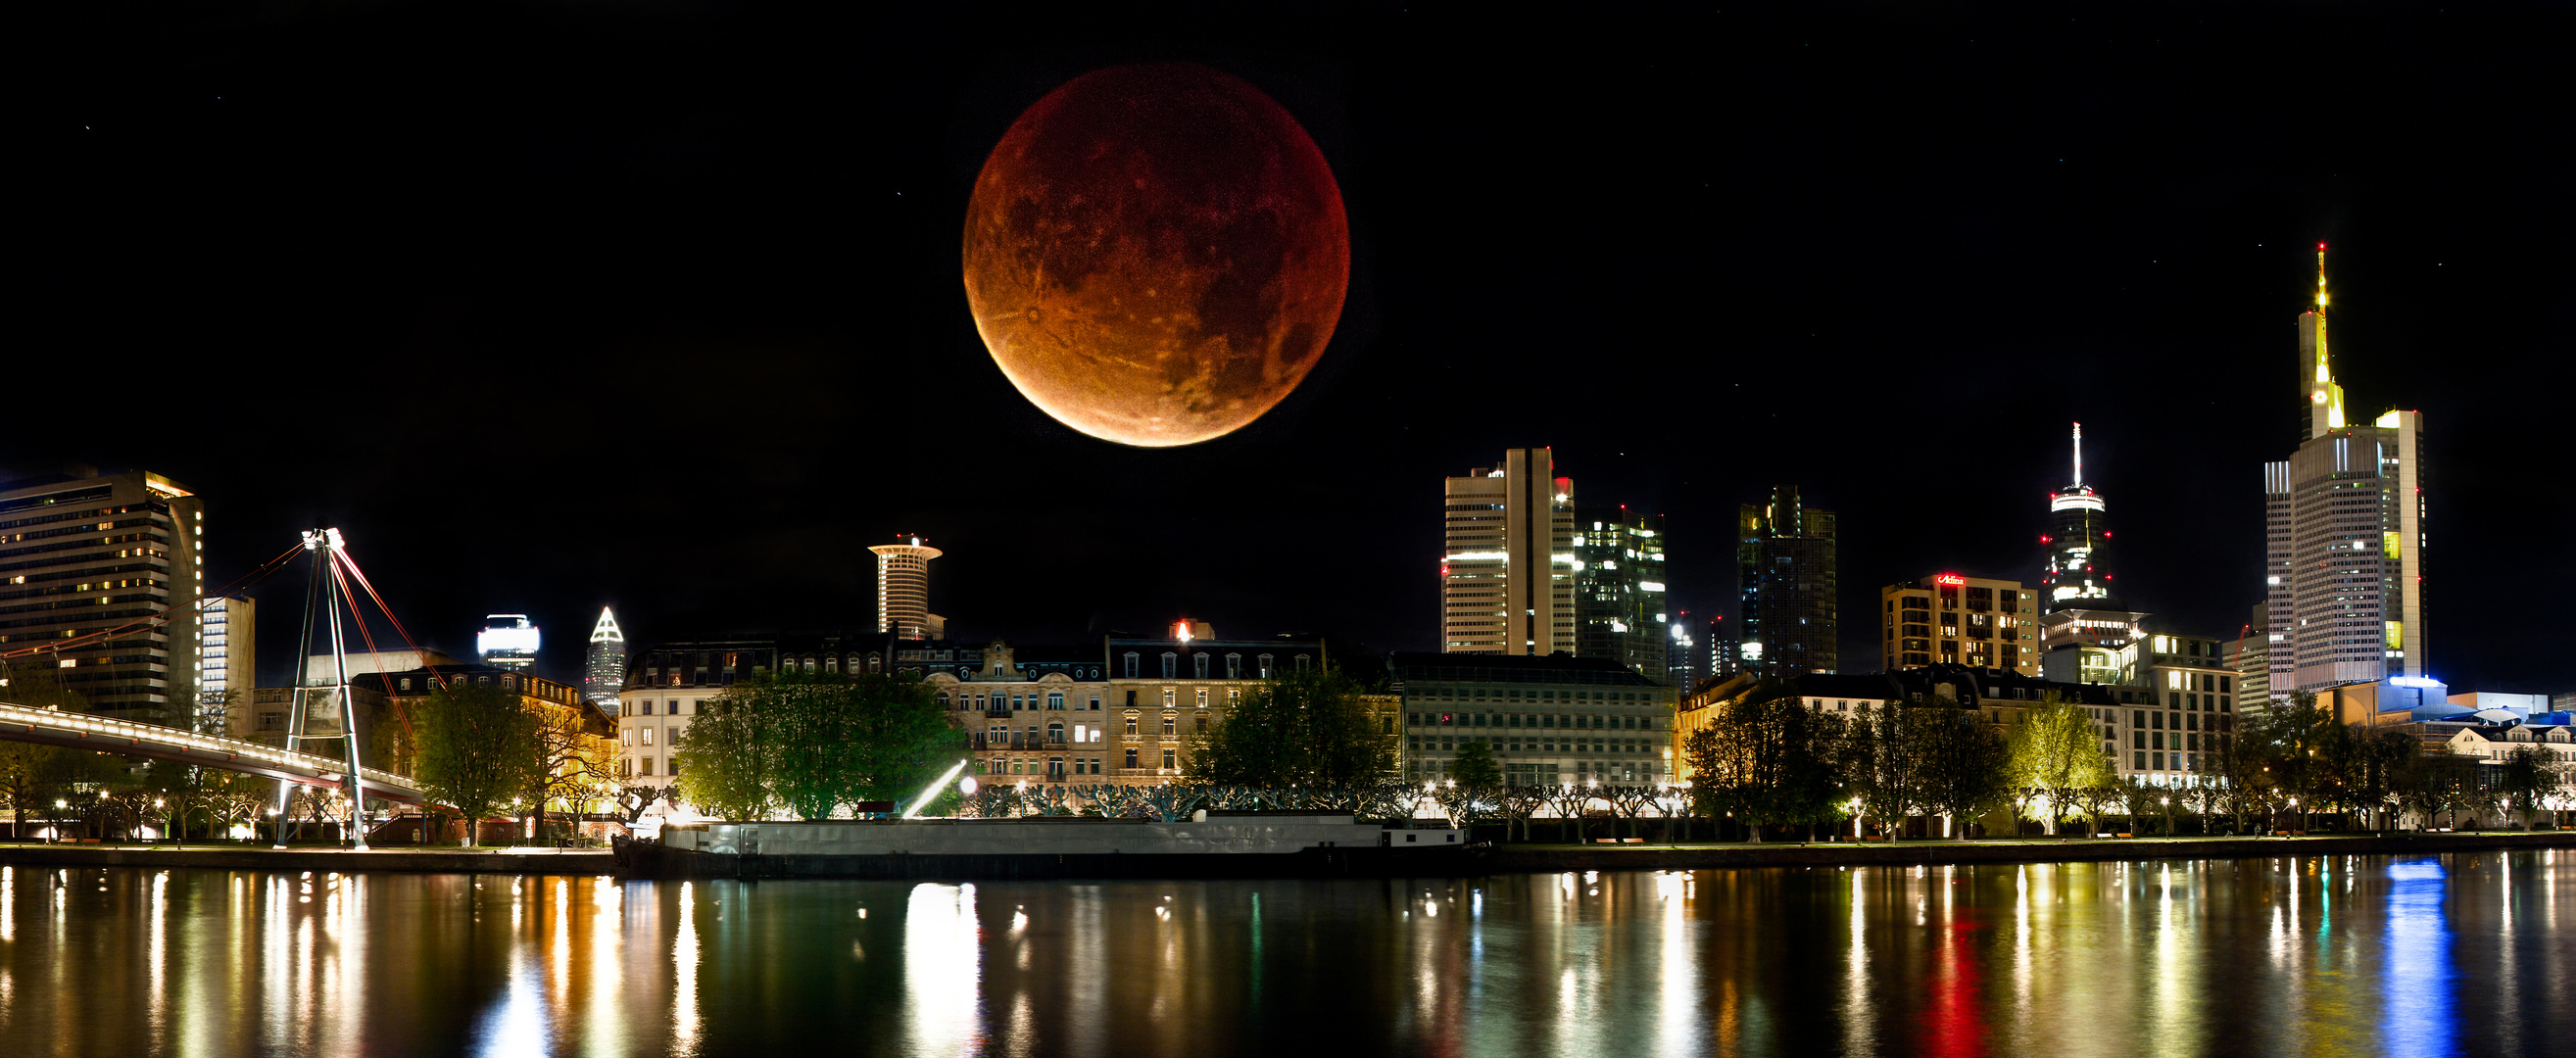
2300, 820
2168, 803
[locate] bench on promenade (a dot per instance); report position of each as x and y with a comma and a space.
1618, 841
2124, 834
1873, 837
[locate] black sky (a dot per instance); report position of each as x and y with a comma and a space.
555, 305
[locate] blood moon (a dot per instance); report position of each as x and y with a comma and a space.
1156, 255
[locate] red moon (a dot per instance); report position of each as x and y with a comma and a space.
1156, 255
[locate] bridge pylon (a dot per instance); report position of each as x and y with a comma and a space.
310, 721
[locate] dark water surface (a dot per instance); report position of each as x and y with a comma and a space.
2342, 955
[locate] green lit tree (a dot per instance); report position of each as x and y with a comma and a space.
1475, 767
1302, 728
813, 743
2054, 751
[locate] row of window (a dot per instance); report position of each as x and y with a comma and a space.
1450, 744
1201, 663
1508, 720
1543, 694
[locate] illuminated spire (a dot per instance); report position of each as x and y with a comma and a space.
606, 631
2325, 398
2079, 455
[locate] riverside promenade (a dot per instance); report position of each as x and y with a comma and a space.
1530, 858
1480, 860
229, 857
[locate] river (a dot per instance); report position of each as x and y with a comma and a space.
2465, 953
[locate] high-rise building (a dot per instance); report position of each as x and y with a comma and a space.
604, 671
2344, 568
903, 590
1681, 670
88, 561
1507, 576
508, 640
2250, 657
1725, 649
2078, 571
1951, 619
227, 657
1619, 596
1785, 564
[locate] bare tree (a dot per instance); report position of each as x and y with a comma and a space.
1570, 802
633, 801
1630, 802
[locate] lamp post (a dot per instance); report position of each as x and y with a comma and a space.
59, 805
2167, 802
2300, 820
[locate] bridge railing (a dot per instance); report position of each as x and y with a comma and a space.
134, 731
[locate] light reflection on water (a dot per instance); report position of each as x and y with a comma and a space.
2354, 955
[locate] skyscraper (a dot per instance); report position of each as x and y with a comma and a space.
508, 640
604, 671
84, 556
1507, 575
903, 590
2078, 571
2344, 536
1619, 596
1785, 563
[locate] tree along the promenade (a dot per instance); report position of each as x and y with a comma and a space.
567, 767
1518, 803
2523, 778
812, 744
1767, 759
633, 801
474, 743
1475, 767
1882, 763
1965, 764
1302, 728
2054, 751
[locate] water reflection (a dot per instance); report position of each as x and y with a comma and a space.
2351, 955
2418, 1010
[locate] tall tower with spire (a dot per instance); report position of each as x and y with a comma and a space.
2343, 565
604, 670
2078, 573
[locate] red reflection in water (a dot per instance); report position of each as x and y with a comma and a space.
1956, 1017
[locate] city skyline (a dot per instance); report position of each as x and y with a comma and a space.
2124, 256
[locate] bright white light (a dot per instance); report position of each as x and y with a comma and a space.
966, 786
1650, 585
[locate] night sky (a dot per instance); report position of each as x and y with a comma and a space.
658, 305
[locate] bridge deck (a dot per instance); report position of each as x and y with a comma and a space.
127, 738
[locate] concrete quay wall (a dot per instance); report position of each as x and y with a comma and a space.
345, 861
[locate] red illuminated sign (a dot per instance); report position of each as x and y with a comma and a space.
1950, 578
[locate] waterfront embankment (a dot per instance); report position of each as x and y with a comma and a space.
519, 860
1513, 859
1506, 859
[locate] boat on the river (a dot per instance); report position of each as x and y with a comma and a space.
1230, 845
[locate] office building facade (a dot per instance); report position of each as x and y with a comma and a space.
227, 658
1619, 595
1786, 572
1550, 720
2344, 536
1951, 619
903, 590
509, 641
1507, 571
87, 562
